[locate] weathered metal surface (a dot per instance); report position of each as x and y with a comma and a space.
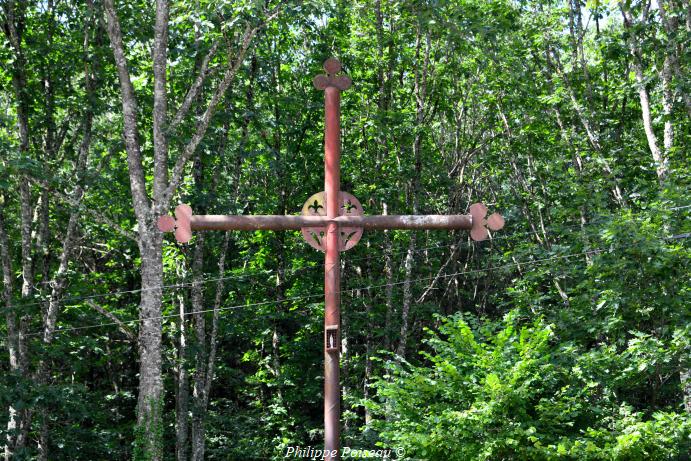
297, 222
315, 222
349, 235
331, 79
181, 224
349, 207
413, 222
495, 222
332, 261
166, 223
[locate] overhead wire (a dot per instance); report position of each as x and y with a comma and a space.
257, 273
601, 219
347, 290
230, 277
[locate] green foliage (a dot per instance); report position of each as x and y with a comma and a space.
514, 390
565, 336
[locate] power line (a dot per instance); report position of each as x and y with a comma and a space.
253, 274
231, 277
162, 317
316, 266
348, 290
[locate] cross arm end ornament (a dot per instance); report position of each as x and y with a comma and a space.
333, 77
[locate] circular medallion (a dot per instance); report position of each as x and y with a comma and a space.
316, 236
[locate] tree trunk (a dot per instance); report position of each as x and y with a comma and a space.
675, 49
13, 26
198, 429
49, 324
42, 234
576, 30
368, 349
388, 289
685, 376
669, 67
203, 386
668, 107
182, 392
578, 162
659, 158
407, 298
59, 280
149, 433
12, 329
150, 402
200, 341
421, 99
383, 101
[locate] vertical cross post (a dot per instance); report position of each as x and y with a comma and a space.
332, 263
331, 221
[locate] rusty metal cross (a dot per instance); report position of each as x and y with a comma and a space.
331, 221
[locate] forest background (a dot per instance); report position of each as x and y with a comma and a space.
565, 336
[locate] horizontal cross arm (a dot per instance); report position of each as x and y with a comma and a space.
185, 222
277, 222
412, 222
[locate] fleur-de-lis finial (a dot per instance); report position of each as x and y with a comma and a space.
333, 77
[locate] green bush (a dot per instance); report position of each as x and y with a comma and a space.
510, 390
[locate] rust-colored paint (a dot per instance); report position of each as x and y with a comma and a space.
297, 222
348, 207
332, 263
331, 221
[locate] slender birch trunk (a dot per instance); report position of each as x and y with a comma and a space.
202, 398
388, 289
13, 26
670, 66
12, 327
369, 340
182, 392
670, 20
384, 101
660, 159
200, 338
420, 92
